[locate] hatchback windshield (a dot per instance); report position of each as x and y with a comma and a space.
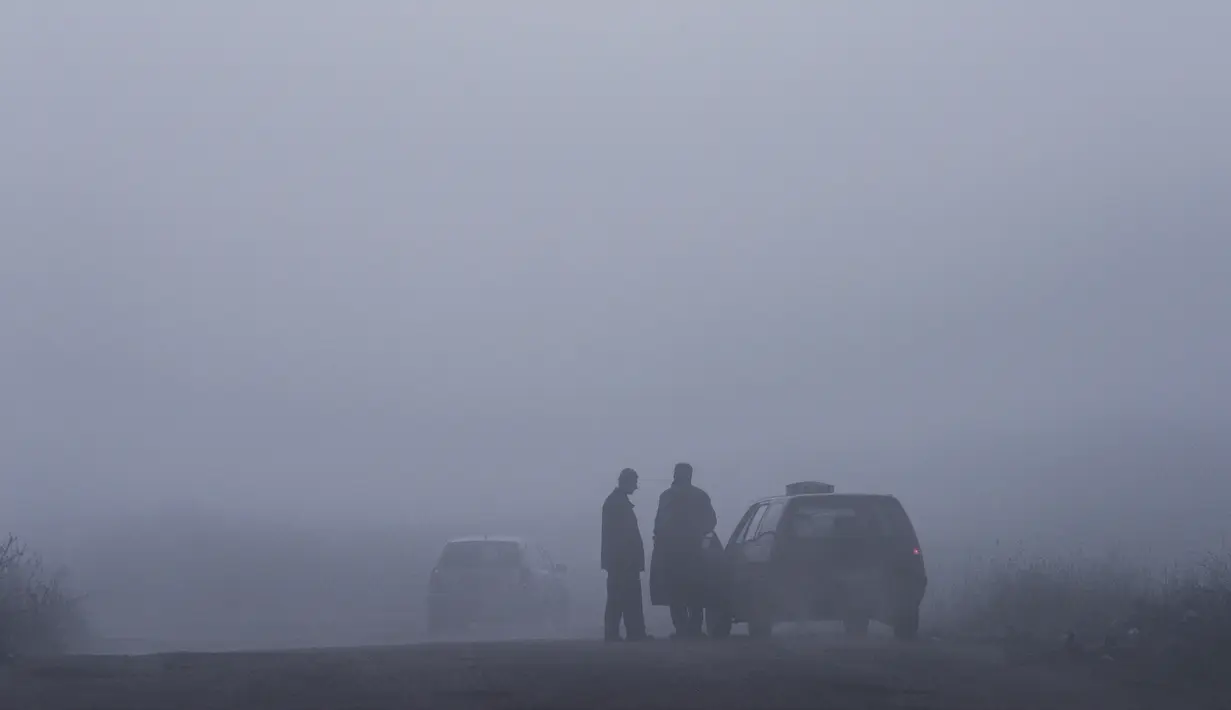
838, 517
480, 553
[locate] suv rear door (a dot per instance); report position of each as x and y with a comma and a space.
831, 537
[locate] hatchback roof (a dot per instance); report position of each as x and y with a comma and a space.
489, 538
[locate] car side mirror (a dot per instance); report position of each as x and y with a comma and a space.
561, 568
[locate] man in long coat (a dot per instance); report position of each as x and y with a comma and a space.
623, 558
677, 566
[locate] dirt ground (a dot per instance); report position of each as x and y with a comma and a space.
792, 672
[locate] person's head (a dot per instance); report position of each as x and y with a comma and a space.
628, 480
683, 473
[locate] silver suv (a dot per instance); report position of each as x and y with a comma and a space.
492, 579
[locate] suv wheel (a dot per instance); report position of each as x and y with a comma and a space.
760, 617
437, 624
906, 626
856, 626
717, 623
760, 623
559, 617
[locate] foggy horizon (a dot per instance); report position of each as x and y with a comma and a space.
428, 263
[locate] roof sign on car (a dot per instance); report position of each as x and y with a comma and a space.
806, 487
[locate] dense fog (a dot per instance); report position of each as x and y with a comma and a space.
291, 293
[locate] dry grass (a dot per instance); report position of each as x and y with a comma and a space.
1172, 622
37, 616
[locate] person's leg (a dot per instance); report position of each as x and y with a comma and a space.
615, 609
679, 618
634, 611
696, 618
695, 598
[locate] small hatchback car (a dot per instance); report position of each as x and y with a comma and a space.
495, 580
816, 555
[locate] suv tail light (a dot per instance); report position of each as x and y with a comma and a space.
434, 582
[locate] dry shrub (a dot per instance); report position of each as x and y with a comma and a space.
1173, 621
37, 616
1040, 596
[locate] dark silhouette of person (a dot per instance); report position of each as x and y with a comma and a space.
623, 558
677, 571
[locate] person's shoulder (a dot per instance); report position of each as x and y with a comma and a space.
611, 499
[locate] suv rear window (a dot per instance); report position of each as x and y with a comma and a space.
848, 517
480, 553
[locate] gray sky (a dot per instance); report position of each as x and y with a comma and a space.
319, 258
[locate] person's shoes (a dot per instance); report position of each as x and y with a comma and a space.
642, 637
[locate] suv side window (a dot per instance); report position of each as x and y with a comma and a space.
737, 535
754, 525
773, 515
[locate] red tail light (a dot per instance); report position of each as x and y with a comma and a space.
915, 552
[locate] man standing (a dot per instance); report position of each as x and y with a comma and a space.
677, 571
623, 558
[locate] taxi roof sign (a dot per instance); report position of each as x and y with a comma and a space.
806, 487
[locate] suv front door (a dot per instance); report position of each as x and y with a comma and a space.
751, 551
